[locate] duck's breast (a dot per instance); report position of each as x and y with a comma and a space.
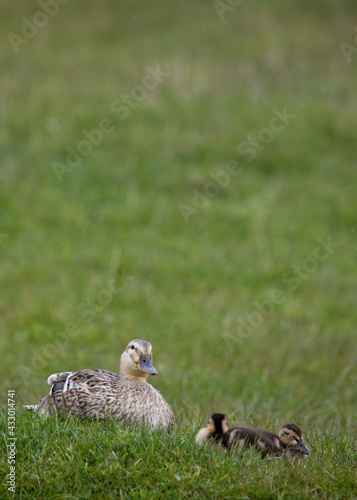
142, 403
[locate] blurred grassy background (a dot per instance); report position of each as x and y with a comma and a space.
189, 282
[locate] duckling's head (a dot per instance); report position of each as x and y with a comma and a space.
136, 361
217, 425
290, 436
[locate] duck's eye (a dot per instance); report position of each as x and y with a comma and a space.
132, 346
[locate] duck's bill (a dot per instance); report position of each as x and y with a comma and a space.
303, 448
146, 366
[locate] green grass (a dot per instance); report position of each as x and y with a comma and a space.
72, 459
115, 220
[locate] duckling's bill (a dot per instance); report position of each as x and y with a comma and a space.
302, 448
145, 365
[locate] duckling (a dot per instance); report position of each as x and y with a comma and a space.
99, 393
216, 429
288, 442
290, 437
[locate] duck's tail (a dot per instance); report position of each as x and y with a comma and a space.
57, 382
44, 407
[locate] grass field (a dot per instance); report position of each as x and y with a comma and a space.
185, 173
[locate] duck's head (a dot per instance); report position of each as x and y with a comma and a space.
290, 436
136, 361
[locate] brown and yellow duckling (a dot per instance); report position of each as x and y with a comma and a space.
215, 431
288, 442
99, 393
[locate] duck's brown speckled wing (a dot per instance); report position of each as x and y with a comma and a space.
90, 393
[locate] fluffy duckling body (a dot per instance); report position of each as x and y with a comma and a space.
288, 442
99, 393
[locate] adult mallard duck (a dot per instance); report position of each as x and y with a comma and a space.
288, 442
99, 393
